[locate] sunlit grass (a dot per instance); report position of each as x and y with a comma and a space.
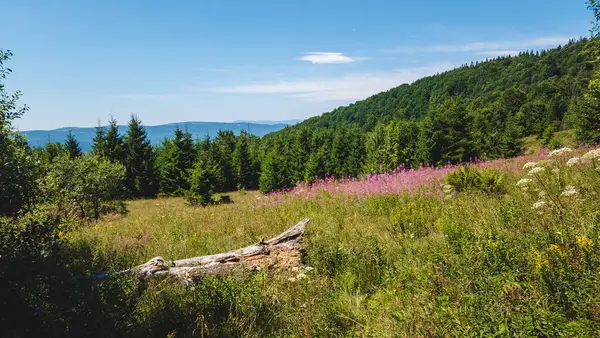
409, 264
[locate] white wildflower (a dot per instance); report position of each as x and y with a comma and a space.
412, 235
295, 269
308, 268
529, 165
592, 154
300, 276
292, 279
448, 189
569, 191
542, 194
523, 182
538, 205
573, 161
535, 170
559, 152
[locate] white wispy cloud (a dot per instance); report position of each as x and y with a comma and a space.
344, 88
329, 57
486, 46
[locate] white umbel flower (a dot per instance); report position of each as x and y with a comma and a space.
535, 170
538, 205
559, 152
592, 154
569, 191
573, 161
529, 165
523, 182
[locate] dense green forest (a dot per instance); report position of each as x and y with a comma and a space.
483, 110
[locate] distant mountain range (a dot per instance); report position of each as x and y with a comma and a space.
38, 138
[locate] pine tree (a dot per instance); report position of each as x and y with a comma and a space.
299, 153
113, 147
99, 140
140, 178
274, 174
72, 146
204, 180
223, 147
242, 162
175, 158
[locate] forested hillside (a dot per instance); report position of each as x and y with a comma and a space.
484, 109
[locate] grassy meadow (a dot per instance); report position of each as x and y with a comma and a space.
402, 254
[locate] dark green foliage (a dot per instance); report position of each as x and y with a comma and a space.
243, 166
588, 127
141, 180
72, 146
175, 157
223, 147
274, 173
204, 180
108, 143
468, 178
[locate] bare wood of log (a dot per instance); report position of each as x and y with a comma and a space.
280, 252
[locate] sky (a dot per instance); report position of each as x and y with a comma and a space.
77, 62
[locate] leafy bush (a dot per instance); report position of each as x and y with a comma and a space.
468, 178
85, 187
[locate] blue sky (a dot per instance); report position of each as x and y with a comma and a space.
173, 61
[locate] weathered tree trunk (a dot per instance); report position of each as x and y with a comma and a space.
280, 252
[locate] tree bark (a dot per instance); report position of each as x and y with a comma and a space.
280, 252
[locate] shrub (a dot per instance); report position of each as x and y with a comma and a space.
468, 178
84, 187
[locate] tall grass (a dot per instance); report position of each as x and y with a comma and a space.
392, 256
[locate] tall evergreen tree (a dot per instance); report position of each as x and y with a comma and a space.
72, 146
242, 162
99, 139
174, 160
113, 147
223, 147
140, 177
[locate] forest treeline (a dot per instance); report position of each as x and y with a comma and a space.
480, 110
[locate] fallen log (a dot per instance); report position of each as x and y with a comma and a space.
283, 251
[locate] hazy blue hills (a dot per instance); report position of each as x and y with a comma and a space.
38, 138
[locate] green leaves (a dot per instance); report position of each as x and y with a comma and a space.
84, 187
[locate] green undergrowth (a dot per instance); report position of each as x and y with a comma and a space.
475, 263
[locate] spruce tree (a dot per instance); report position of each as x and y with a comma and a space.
140, 178
113, 147
242, 162
174, 160
274, 174
204, 179
72, 146
223, 147
99, 140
